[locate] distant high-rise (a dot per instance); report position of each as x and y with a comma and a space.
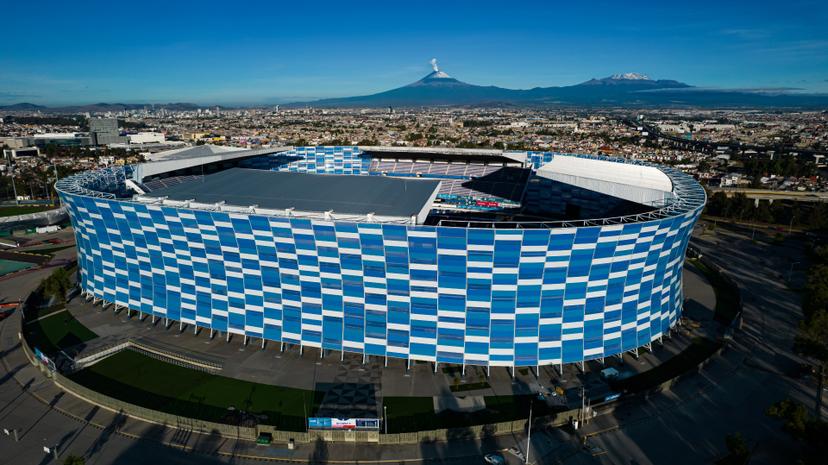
105, 131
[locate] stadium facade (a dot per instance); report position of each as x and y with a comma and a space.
504, 259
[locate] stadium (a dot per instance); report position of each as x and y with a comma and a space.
456, 256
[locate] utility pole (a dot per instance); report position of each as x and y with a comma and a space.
385, 418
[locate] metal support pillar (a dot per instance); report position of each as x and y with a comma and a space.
407, 364
386, 360
227, 336
488, 370
244, 342
263, 343
435, 367
341, 355
463, 372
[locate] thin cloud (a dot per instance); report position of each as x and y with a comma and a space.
746, 33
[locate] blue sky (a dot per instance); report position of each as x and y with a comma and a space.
265, 52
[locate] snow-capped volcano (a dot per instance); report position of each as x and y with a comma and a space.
437, 75
631, 77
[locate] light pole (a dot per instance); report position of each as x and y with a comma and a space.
57, 197
529, 431
790, 270
14, 186
385, 418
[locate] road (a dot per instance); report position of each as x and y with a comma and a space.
767, 194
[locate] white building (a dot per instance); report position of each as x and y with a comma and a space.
21, 153
147, 138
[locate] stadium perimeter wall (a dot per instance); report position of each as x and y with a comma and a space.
482, 296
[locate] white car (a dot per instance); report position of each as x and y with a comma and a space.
494, 459
516, 452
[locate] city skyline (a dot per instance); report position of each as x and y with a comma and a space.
263, 55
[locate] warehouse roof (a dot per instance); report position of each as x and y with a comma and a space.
357, 195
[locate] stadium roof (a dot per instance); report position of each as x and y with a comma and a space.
642, 184
385, 197
191, 152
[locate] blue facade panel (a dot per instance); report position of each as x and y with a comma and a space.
507, 297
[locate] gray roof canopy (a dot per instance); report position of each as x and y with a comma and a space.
344, 194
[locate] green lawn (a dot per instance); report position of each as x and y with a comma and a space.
147, 382
23, 210
56, 332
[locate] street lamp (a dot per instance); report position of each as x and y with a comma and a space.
529, 431
790, 270
14, 186
385, 417
57, 197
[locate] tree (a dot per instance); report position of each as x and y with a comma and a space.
809, 430
816, 290
737, 448
74, 460
57, 285
812, 341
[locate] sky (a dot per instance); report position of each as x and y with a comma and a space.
264, 52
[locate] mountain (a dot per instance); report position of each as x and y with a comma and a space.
22, 107
621, 90
101, 107
437, 88
634, 81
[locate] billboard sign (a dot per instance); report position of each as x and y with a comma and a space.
343, 423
